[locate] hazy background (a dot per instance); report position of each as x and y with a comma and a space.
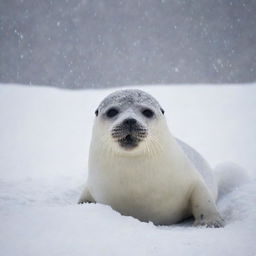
91, 44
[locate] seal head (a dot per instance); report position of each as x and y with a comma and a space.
129, 114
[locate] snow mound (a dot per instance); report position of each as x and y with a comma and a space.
230, 176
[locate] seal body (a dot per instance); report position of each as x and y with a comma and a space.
138, 168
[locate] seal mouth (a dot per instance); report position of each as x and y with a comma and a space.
129, 133
129, 141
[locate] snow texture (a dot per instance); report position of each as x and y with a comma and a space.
45, 135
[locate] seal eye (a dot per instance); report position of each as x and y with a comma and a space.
162, 111
112, 112
148, 113
96, 112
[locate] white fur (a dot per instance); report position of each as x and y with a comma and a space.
154, 182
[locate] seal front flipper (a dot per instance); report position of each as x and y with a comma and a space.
86, 197
203, 207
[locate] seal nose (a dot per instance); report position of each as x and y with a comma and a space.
130, 122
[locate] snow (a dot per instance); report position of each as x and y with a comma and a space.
45, 135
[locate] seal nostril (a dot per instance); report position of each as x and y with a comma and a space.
130, 121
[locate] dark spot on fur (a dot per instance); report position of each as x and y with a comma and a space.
201, 216
87, 202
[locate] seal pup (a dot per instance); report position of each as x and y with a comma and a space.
138, 168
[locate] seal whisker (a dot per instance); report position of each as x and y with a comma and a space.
148, 149
157, 144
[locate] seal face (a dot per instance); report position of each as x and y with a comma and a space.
129, 114
138, 168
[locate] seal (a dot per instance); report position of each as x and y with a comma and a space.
138, 168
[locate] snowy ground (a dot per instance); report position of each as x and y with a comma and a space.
44, 140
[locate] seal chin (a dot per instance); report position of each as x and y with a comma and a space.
129, 142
